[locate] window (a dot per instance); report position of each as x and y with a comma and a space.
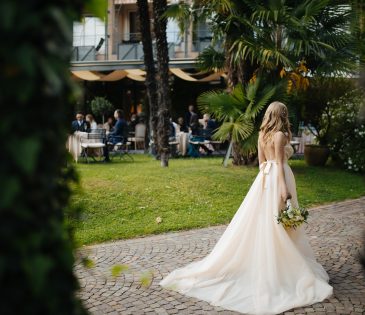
134, 27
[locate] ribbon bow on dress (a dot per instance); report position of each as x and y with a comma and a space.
265, 167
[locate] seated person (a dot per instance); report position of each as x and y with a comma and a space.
194, 124
172, 131
108, 126
209, 127
80, 124
183, 126
206, 132
132, 124
118, 134
90, 119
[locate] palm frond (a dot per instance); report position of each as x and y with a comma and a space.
249, 145
181, 13
259, 103
220, 104
210, 60
238, 93
237, 130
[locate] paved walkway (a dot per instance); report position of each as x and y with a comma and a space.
335, 233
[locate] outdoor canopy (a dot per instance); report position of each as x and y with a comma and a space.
139, 75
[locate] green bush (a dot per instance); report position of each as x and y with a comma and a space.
316, 103
347, 133
36, 96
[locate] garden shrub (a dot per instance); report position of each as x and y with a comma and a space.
347, 131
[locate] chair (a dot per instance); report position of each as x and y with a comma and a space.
173, 146
139, 135
120, 148
216, 144
93, 141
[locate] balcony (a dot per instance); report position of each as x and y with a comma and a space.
128, 46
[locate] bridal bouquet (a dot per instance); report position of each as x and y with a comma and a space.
292, 217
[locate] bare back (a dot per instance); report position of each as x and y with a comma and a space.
267, 151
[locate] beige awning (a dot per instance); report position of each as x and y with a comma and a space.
87, 75
136, 71
133, 74
212, 77
114, 76
182, 75
140, 75
188, 77
136, 77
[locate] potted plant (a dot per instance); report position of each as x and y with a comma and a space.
100, 106
317, 105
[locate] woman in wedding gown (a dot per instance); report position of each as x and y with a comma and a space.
258, 266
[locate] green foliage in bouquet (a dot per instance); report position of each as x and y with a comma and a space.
292, 217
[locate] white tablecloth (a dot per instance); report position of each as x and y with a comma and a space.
73, 144
183, 139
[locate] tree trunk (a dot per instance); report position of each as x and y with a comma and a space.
239, 158
228, 154
163, 124
163, 87
150, 82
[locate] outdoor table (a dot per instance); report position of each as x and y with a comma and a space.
183, 140
74, 143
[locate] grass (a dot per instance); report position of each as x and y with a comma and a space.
123, 199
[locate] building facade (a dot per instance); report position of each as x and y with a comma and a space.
99, 44
107, 60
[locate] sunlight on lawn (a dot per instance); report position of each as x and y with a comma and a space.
123, 199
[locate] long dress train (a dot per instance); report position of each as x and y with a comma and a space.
257, 266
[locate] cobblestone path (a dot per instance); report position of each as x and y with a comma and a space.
335, 233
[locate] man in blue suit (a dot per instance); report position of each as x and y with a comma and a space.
118, 134
80, 124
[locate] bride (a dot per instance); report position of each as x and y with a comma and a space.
258, 266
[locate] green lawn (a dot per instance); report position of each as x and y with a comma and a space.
123, 199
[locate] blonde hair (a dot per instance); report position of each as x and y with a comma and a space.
275, 119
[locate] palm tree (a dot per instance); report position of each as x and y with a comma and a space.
144, 18
237, 112
163, 86
157, 81
274, 40
269, 36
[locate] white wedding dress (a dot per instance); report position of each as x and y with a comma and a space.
257, 266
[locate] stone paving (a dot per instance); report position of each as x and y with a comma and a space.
335, 233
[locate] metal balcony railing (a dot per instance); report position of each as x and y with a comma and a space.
128, 46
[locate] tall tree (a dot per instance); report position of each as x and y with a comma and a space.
36, 255
151, 86
267, 36
163, 85
279, 41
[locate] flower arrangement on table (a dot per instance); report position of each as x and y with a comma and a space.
292, 217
